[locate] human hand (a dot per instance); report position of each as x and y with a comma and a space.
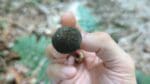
104, 63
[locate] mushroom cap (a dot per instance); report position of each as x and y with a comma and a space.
66, 40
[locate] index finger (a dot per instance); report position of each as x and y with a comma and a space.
69, 19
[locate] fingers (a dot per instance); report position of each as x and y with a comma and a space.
60, 68
68, 19
82, 77
95, 41
105, 47
101, 43
70, 60
91, 59
53, 54
61, 71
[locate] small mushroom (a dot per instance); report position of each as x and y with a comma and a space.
67, 40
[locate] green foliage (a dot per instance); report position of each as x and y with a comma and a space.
139, 76
32, 53
86, 20
142, 78
146, 79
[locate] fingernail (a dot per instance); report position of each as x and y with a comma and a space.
69, 71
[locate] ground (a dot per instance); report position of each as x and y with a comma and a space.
127, 21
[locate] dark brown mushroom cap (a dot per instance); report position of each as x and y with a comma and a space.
66, 40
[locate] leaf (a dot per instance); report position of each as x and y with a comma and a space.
139, 76
86, 20
146, 79
32, 53
142, 78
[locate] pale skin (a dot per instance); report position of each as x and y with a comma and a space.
104, 63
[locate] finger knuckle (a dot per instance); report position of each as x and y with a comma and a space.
105, 37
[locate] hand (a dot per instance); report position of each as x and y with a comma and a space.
105, 62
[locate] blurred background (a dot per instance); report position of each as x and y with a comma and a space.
26, 27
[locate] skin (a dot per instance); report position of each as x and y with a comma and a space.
104, 63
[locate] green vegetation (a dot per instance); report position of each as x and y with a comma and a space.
32, 53
86, 20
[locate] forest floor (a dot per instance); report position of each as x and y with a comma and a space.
128, 22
